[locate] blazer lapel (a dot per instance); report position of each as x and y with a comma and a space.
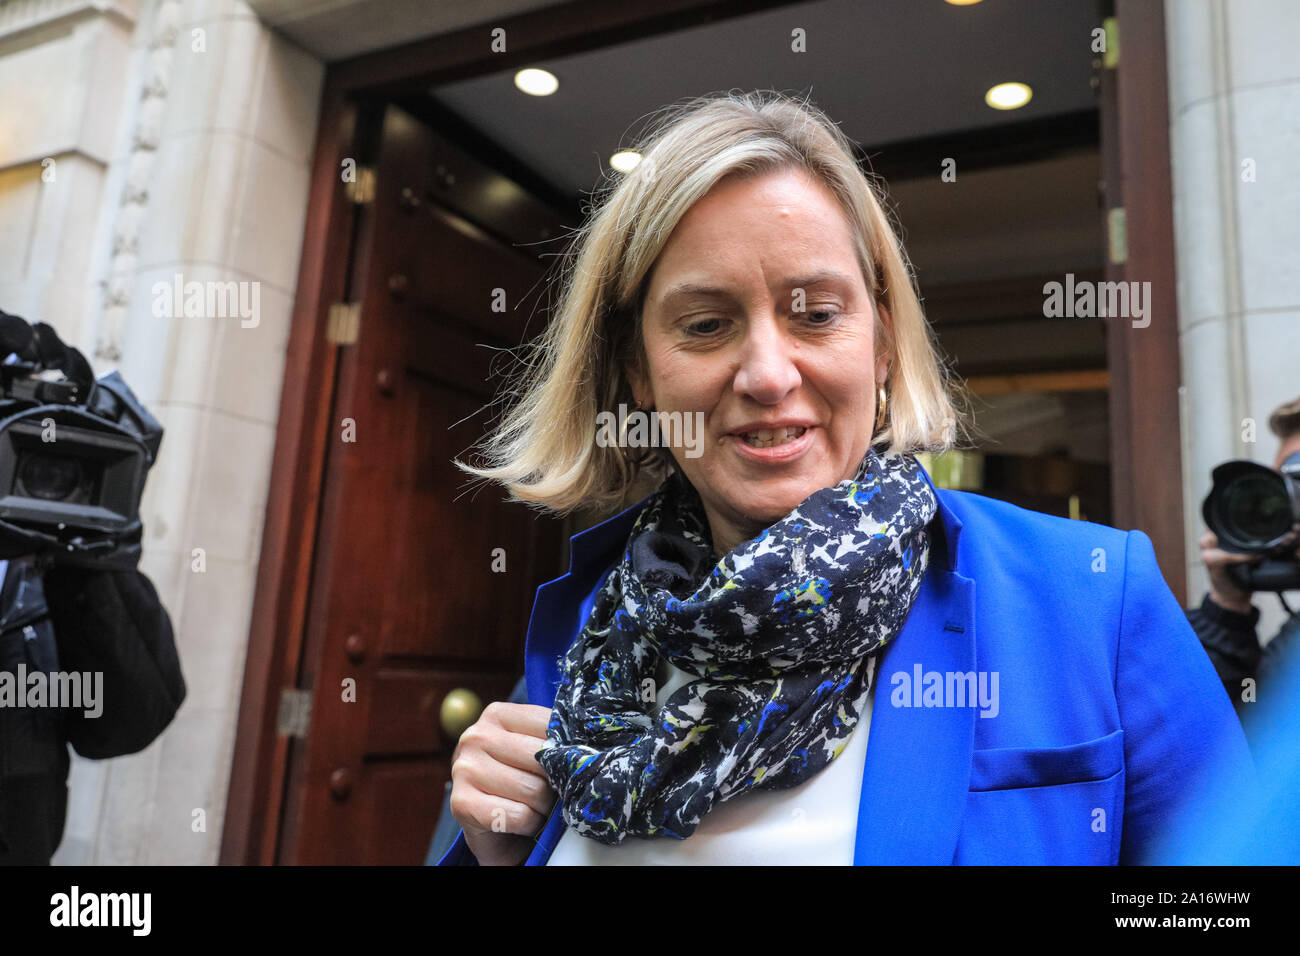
553, 626
554, 622
917, 773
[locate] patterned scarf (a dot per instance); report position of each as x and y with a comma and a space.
781, 638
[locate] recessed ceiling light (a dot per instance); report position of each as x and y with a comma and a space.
537, 82
962, 3
625, 160
1008, 96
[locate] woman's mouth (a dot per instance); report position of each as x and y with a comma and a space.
772, 438
773, 445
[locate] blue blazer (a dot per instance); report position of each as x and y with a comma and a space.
1110, 720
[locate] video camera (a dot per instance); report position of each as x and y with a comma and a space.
1251, 508
74, 453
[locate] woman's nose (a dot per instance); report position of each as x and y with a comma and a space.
767, 370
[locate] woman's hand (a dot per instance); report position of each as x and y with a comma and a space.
1223, 591
499, 794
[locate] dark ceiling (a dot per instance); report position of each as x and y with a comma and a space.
886, 70
904, 78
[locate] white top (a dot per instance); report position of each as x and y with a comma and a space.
812, 824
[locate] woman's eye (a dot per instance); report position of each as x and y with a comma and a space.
703, 327
706, 327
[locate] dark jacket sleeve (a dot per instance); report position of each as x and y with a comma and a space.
111, 622
1230, 642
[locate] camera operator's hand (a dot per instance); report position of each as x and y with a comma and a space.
499, 795
1223, 591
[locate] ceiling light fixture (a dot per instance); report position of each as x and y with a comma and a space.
1008, 96
536, 82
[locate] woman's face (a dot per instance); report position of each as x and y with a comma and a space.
758, 315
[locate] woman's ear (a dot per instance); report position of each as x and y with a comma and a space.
636, 381
636, 367
884, 356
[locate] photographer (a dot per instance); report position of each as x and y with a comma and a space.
1226, 619
74, 611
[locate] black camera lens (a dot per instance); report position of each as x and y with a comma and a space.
1256, 509
50, 477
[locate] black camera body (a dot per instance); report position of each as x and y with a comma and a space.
74, 454
1251, 509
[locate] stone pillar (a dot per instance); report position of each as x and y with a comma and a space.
63, 66
1234, 88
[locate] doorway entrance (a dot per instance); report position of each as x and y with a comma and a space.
377, 600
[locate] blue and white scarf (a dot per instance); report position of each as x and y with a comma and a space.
781, 637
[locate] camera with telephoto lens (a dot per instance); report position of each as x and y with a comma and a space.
1251, 508
74, 454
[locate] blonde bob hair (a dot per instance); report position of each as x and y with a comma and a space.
544, 449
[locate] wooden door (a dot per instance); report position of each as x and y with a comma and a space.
1145, 368
405, 604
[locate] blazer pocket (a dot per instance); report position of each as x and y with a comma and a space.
1009, 768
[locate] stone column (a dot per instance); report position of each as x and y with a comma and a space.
1234, 88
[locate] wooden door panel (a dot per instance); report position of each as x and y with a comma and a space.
445, 287
404, 708
394, 829
444, 353
405, 601
444, 526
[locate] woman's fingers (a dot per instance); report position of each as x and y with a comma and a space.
486, 771
497, 783
511, 733
482, 813
526, 719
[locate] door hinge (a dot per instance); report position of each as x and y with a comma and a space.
295, 713
344, 323
361, 190
1110, 58
1117, 236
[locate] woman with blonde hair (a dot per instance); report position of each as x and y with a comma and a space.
797, 649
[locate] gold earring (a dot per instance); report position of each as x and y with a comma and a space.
622, 431
882, 401
642, 455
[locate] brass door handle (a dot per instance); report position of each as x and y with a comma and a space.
460, 709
